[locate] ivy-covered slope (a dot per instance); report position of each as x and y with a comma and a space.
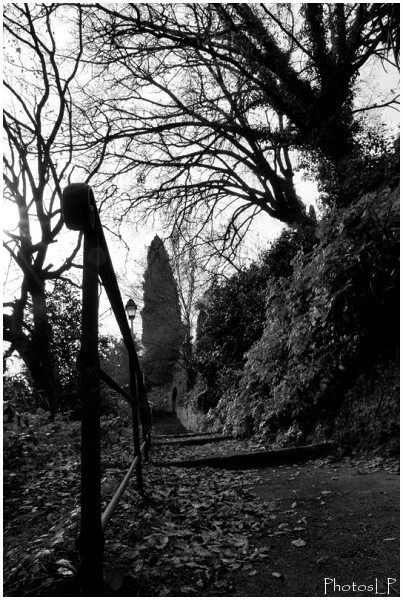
327, 323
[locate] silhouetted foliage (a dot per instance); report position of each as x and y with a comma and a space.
220, 93
38, 159
234, 312
163, 331
334, 315
377, 160
115, 360
63, 305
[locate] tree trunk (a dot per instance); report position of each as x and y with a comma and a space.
42, 367
41, 354
35, 350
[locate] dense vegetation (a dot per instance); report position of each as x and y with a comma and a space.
235, 314
20, 394
284, 340
192, 113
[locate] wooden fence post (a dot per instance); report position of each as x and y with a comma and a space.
80, 214
91, 537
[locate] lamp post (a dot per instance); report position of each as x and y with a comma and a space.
131, 308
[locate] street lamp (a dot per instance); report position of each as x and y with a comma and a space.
131, 308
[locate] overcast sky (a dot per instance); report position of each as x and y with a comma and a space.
129, 264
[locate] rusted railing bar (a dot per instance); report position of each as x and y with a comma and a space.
80, 214
108, 278
115, 386
118, 494
146, 427
139, 410
109, 510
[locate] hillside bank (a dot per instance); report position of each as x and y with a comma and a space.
302, 347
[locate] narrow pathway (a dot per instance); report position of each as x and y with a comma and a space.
283, 530
167, 424
295, 530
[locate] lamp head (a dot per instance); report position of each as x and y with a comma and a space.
131, 308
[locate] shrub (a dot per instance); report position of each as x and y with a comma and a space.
18, 395
338, 310
374, 162
235, 313
34, 439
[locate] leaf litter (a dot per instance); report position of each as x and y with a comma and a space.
199, 531
189, 533
194, 529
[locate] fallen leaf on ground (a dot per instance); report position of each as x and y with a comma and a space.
298, 543
322, 559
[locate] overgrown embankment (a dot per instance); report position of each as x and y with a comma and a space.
302, 346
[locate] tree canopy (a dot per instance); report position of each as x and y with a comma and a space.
38, 126
205, 102
42, 127
192, 110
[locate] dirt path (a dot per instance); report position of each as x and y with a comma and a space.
167, 424
203, 531
333, 528
347, 515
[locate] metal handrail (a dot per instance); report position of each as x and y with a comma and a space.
107, 514
80, 214
117, 388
